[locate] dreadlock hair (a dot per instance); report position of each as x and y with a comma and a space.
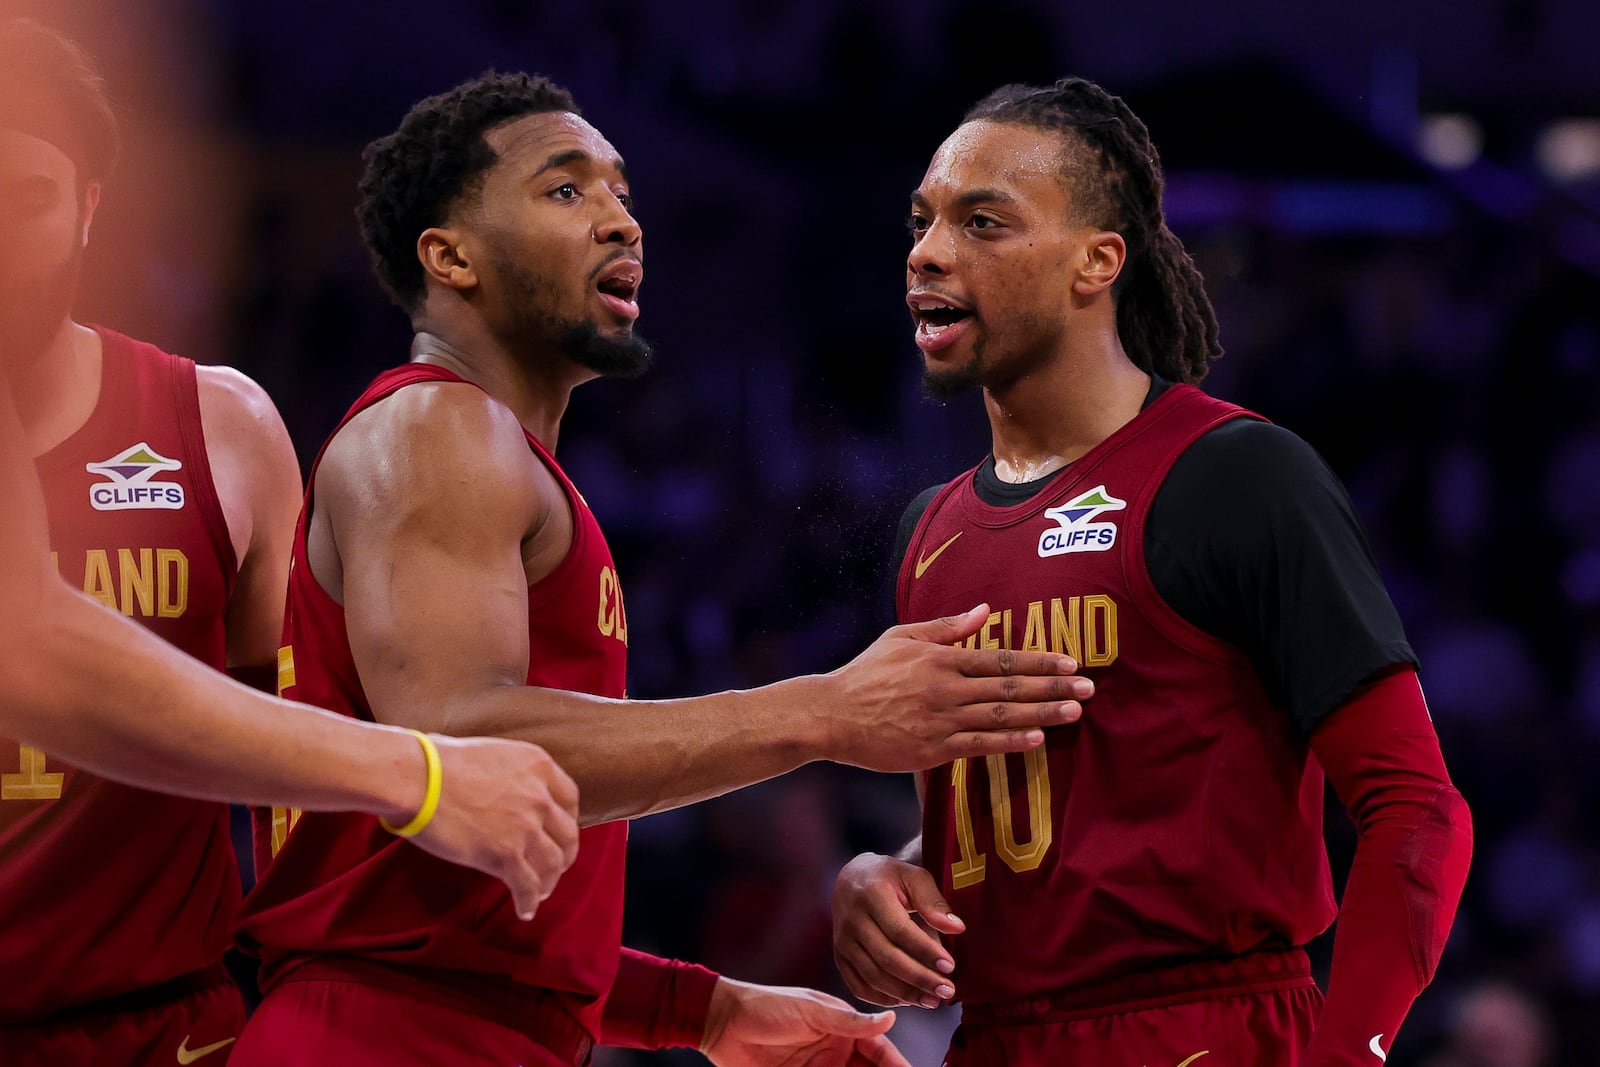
1113, 174
40, 70
438, 156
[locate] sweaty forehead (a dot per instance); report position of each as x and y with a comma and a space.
524, 144
1013, 158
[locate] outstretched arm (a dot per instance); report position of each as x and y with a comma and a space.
431, 518
179, 727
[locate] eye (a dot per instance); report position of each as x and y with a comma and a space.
625, 198
982, 222
569, 191
917, 224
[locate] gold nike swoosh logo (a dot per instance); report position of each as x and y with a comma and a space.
189, 1055
924, 562
1196, 1056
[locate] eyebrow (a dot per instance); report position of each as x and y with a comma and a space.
970, 198
576, 155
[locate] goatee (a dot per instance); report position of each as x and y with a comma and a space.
627, 356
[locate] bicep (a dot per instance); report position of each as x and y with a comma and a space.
431, 618
430, 539
257, 477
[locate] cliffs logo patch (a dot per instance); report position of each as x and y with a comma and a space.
1076, 530
132, 484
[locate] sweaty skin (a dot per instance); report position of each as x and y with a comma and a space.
436, 607
175, 725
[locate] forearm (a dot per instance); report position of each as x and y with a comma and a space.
174, 725
1396, 914
635, 757
1410, 866
656, 1003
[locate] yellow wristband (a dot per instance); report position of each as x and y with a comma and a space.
430, 800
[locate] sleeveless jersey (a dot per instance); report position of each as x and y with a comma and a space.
340, 884
1181, 818
106, 889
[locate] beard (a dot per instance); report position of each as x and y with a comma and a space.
952, 383
31, 314
627, 356
624, 355
946, 385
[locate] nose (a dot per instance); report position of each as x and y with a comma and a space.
616, 224
933, 253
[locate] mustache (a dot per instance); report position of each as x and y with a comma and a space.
620, 253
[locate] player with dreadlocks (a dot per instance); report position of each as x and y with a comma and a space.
1140, 890
442, 550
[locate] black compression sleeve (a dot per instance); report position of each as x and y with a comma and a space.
1252, 539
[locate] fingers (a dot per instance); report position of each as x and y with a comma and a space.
975, 743
862, 989
945, 631
931, 908
1002, 715
527, 889
834, 1016
994, 662
876, 1052
892, 969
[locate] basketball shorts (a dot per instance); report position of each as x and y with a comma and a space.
192, 1020
1253, 1011
356, 1014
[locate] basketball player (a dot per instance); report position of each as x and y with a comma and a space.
170, 492
443, 556
1139, 890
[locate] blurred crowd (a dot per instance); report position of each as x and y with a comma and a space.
1446, 362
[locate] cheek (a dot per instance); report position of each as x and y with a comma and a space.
39, 247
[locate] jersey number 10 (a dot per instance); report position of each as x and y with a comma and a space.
1020, 856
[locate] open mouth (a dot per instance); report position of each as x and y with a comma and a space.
939, 323
618, 286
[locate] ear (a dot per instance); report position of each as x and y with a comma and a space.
444, 258
91, 200
1104, 253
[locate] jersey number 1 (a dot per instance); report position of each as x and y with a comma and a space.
970, 869
283, 819
31, 781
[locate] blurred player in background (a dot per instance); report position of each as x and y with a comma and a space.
444, 559
1139, 891
170, 492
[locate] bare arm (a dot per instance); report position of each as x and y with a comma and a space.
432, 516
257, 476
179, 727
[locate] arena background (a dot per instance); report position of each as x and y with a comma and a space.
1396, 206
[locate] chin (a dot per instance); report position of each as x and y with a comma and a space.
944, 382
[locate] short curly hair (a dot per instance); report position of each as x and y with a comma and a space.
416, 175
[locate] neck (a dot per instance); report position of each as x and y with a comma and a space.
56, 389
537, 399
1071, 403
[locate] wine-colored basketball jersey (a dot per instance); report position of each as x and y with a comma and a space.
1181, 818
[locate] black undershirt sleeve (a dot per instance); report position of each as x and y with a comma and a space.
908, 526
1253, 540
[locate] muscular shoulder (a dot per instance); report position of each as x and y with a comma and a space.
232, 404
435, 448
253, 463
